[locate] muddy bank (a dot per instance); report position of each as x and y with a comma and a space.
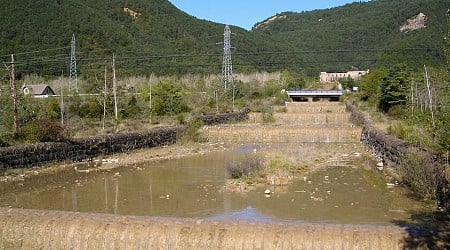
111, 162
31, 229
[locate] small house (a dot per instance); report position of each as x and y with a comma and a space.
37, 90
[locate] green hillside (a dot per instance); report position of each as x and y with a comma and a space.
155, 37
143, 34
357, 34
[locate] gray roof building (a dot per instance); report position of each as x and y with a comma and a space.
38, 90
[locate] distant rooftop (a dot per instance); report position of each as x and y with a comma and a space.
314, 95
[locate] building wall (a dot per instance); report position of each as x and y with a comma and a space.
326, 77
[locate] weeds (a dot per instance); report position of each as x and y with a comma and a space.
250, 166
417, 172
253, 168
279, 171
415, 135
267, 114
193, 133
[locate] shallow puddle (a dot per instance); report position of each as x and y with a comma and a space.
194, 187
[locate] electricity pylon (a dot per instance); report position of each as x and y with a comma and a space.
73, 79
227, 65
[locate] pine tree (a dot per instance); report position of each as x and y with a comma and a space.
394, 88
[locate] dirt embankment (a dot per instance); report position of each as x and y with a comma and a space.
36, 229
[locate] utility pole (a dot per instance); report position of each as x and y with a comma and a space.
430, 98
62, 99
150, 101
13, 95
227, 64
114, 86
216, 95
104, 103
73, 78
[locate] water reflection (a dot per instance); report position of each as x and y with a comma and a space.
194, 188
249, 213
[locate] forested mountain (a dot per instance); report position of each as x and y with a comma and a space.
144, 34
359, 33
153, 36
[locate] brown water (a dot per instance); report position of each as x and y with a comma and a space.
194, 188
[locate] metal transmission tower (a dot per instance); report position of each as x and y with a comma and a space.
227, 65
73, 79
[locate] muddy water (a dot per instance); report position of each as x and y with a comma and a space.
195, 188
339, 184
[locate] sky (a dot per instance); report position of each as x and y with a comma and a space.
246, 13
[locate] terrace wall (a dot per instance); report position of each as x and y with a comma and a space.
224, 118
38, 229
395, 152
87, 148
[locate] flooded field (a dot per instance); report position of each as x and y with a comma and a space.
339, 182
194, 187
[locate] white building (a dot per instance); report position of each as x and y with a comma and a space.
327, 77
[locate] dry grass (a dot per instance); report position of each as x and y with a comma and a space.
293, 126
255, 133
314, 107
303, 139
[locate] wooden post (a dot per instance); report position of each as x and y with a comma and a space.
427, 77
216, 95
14, 95
150, 102
115, 86
62, 100
104, 103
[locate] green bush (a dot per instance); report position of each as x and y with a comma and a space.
181, 118
168, 99
193, 133
42, 130
267, 114
417, 172
399, 129
6, 139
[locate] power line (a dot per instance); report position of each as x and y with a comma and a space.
35, 51
173, 56
52, 61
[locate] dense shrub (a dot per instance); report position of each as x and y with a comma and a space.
6, 139
417, 172
168, 99
42, 130
267, 114
193, 133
